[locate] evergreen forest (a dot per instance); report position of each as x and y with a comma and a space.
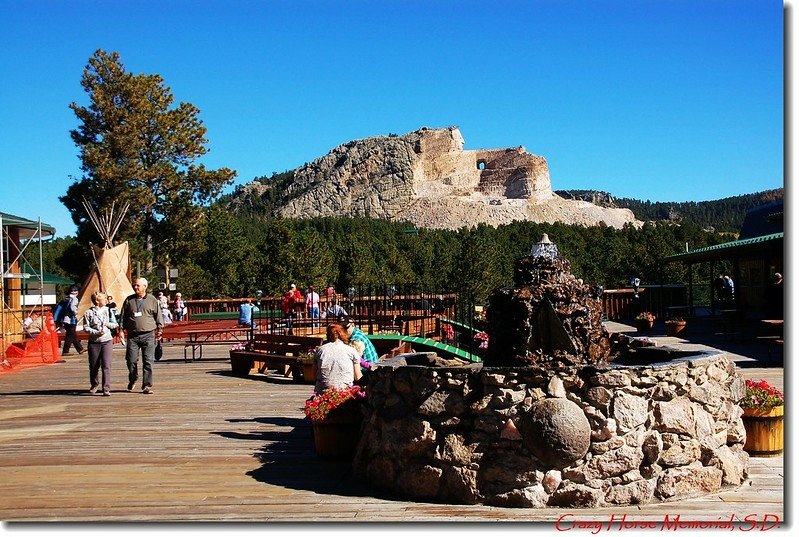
231, 255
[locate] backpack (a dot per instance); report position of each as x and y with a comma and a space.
61, 311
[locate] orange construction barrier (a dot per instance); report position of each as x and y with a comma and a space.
41, 350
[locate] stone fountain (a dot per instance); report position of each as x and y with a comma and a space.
560, 413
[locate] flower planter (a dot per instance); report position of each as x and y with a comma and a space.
675, 328
642, 325
764, 431
336, 437
309, 373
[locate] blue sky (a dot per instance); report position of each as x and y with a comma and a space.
667, 100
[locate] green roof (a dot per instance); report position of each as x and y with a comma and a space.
46, 276
718, 250
427, 342
30, 225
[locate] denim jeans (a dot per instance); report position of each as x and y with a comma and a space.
313, 313
145, 342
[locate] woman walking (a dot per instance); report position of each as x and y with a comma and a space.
98, 322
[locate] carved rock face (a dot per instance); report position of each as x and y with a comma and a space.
556, 431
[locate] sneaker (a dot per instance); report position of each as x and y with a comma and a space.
93, 390
106, 393
147, 389
130, 385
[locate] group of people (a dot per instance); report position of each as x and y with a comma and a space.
294, 305
342, 361
178, 310
142, 320
725, 289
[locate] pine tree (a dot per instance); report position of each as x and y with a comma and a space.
136, 147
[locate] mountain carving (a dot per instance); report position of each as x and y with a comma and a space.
427, 178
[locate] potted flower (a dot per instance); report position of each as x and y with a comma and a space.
308, 365
675, 326
481, 338
763, 407
335, 416
644, 321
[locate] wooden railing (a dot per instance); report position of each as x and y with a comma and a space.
622, 304
359, 305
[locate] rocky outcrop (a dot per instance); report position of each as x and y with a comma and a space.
427, 178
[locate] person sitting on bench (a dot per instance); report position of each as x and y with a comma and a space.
334, 310
337, 363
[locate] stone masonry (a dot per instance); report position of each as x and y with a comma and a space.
577, 436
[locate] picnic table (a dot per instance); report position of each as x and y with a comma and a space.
197, 337
773, 332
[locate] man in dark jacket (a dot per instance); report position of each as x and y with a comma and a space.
70, 321
141, 320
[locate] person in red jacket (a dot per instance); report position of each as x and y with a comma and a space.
290, 300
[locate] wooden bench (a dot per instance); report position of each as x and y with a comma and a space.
272, 351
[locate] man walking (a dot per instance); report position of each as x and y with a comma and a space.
141, 319
70, 320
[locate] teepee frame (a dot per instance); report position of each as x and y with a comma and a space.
111, 271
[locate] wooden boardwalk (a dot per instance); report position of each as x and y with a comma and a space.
207, 446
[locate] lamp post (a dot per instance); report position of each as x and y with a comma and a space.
635, 283
258, 295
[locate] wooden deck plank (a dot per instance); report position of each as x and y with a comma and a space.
208, 446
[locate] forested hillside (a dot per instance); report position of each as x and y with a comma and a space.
724, 215
233, 254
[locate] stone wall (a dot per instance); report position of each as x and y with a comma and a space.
533, 437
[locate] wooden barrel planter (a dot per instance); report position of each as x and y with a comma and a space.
675, 328
309, 373
764, 431
336, 437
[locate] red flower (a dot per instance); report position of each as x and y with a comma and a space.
482, 337
448, 331
762, 395
319, 406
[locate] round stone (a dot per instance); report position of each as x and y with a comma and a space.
556, 431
